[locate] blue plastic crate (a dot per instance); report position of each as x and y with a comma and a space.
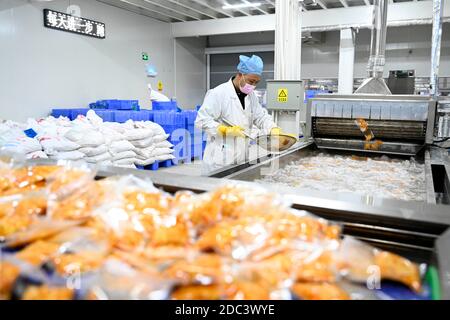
135, 105
170, 118
148, 114
106, 115
109, 104
165, 105
197, 150
190, 116
158, 164
122, 116
61, 113
139, 116
74, 113
129, 105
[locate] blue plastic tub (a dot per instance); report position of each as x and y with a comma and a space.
129, 105
158, 164
122, 116
74, 113
106, 115
139, 116
147, 114
197, 150
190, 116
165, 105
109, 104
61, 113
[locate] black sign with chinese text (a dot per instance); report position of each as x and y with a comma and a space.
66, 22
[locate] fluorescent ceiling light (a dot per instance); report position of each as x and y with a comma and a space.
241, 5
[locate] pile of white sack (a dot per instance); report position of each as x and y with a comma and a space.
14, 140
97, 142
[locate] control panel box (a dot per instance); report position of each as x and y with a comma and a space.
284, 95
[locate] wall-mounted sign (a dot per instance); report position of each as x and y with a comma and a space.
145, 56
66, 22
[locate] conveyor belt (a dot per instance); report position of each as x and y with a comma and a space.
391, 130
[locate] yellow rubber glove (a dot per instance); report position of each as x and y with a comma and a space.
275, 131
234, 131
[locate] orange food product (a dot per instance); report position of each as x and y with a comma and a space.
165, 234
8, 275
319, 291
14, 223
318, 270
206, 267
394, 267
79, 262
198, 292
47, 293
26, 179
80, 204
147, 203
38, 252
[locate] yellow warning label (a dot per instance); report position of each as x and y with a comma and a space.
282, 95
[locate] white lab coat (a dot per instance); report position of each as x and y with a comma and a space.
221, 103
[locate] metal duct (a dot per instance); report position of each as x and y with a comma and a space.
400, 23
436, 47
375, 83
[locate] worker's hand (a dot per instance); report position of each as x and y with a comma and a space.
275, 131
234, 131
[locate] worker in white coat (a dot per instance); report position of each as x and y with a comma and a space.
230, 109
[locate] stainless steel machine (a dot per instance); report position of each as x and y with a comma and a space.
401, 124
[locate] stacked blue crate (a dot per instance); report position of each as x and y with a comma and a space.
158, 164
196, 135
74, 113
106, 115
122, 116
115, 104
165, 105
61, 113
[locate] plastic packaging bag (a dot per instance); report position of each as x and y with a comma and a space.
120, 146
160, 138
164, 144
54, 144
23, 145
124, 155
138, 134
37, 155
94, 151
68, 155
360, 262
99, 158
85, 138
162, 151
142, 143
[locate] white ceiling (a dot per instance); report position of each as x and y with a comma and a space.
189, 10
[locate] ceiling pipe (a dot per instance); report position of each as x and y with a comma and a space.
375, 83
436, 47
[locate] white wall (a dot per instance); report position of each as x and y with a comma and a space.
407, 48
190, 72
42, 68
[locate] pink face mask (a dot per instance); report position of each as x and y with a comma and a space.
247, 88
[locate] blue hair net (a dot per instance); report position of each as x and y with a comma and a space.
253, 65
